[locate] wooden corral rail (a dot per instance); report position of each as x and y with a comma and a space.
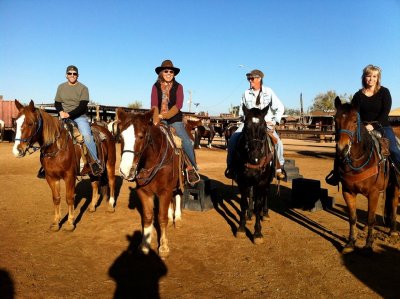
322, 136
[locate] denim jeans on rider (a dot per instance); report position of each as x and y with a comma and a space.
394, 150
186, 141
84, 127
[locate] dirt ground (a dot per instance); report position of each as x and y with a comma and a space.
300, 258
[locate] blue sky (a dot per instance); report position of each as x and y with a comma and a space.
307, 47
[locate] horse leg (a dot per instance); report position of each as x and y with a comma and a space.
372, 205
111, 185
164, 203
351, 206
395, 203
69, 197
95, 194
148, 212
265, 210
241, 231
174, 212
55, 190
392, 194
257, 237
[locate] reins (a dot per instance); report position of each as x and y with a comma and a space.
145, 175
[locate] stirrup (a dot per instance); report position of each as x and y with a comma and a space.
192, 176
332, 179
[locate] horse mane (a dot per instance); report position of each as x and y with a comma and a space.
50, 127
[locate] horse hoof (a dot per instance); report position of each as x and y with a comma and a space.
266, 218
240, 235
163, 252
178, 223
347, 249
69, 227
110, 209
258, 241
54, 227
92, 209
170, 223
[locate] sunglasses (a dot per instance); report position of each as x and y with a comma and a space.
168, 71
251, 78
72, 74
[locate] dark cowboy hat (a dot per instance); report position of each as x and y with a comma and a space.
167, 65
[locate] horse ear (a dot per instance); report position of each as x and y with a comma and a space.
32, 106
265, 110
338, 102
18, 105
120, 113
149, 115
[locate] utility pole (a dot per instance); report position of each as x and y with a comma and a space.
190, 100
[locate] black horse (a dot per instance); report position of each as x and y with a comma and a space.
254, 169
203, 131
229, 130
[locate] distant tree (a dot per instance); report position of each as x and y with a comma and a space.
135, 105
326, 101
234, 110
292, 112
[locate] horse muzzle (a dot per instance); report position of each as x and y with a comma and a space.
19, 151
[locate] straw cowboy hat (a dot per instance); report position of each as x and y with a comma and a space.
167, 65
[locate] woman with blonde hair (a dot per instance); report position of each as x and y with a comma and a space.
374, 103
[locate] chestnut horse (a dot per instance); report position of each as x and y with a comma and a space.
255, 172
362, 171
60, 158
150, 158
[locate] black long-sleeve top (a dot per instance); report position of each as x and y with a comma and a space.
375, 108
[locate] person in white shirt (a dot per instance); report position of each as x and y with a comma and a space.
259, 96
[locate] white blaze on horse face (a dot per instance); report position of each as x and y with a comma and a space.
255, 120
127, 157
18, 134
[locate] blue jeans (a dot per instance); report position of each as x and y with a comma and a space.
84, 127
186, 141
394, 150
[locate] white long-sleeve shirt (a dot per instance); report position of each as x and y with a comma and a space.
267, 96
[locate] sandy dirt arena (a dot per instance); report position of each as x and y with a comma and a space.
300, 258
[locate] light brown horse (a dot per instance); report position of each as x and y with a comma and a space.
149, 158
362, 171
60, 158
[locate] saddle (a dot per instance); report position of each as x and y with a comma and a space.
77, 138
176, 143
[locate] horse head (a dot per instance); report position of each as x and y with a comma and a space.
349, 129
255, 134
133, 129
28, 126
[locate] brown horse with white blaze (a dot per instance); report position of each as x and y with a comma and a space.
150, 159
362, 171
60, 157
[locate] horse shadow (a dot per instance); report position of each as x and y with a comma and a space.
137, 275
379, 270
225, 200
83, 191
7, 290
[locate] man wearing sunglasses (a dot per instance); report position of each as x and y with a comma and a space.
259, 96
71, 101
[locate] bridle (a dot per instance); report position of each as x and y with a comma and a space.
147, 173
28, 140
352, 134
264, 160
